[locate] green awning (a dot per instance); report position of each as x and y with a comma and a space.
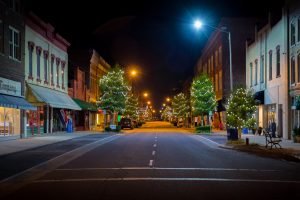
86, 105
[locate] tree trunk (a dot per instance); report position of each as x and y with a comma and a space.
240, 133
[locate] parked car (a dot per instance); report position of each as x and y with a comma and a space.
126, 123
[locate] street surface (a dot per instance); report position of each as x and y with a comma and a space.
157, 161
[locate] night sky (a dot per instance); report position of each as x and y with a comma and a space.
157, 37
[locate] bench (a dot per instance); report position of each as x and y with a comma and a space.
273, 141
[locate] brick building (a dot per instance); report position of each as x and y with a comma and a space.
12, 103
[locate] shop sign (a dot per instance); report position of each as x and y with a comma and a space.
10, 87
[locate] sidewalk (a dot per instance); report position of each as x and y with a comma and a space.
257, 139
17, 144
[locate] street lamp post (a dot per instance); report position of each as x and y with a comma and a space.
198, 24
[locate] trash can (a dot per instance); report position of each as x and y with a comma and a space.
69, 126
245, 131
232, 134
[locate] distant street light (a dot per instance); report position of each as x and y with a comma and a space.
148, 102
198, 24
133, 72
145, 94
168, 99
164, 104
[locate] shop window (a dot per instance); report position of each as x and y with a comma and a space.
52, 70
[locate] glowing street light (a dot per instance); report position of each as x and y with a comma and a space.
153, 111
148, 102
145, 94
164, 104
133, 72
168, 99
198, 24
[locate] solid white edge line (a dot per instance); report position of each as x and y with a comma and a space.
208, 140
153, 153
167, 179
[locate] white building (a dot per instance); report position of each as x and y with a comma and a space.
267, 74
46, 76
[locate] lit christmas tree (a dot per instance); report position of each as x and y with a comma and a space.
114, 89
132, 107
203, 97
240, 108
180, 105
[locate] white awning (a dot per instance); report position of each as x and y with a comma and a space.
55, 99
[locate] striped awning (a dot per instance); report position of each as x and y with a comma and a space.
54, 98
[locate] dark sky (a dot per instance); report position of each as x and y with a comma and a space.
156, 36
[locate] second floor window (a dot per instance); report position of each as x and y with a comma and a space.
57, 71
278, 61
292, 70
38, 63
63, 74
52, 70
14, 44
298, 64
256, 72
262, 69
30, 54
270, 65
251, 71
46, 66
293, 33
1, 37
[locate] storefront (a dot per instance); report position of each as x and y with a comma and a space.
82, 118
54, 108
12, 107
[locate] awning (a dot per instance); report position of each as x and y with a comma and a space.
259, 97
86, 105
15, 102
55, 99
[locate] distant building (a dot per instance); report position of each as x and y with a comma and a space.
95, 68
13, 106
267, 74
214, 59
46, 75
78, 91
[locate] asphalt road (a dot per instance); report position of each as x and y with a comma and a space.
157, 163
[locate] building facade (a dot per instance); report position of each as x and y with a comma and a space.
267, 74
214, 60
46, 75
95, 67
78, 91
13, 106
293, 8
